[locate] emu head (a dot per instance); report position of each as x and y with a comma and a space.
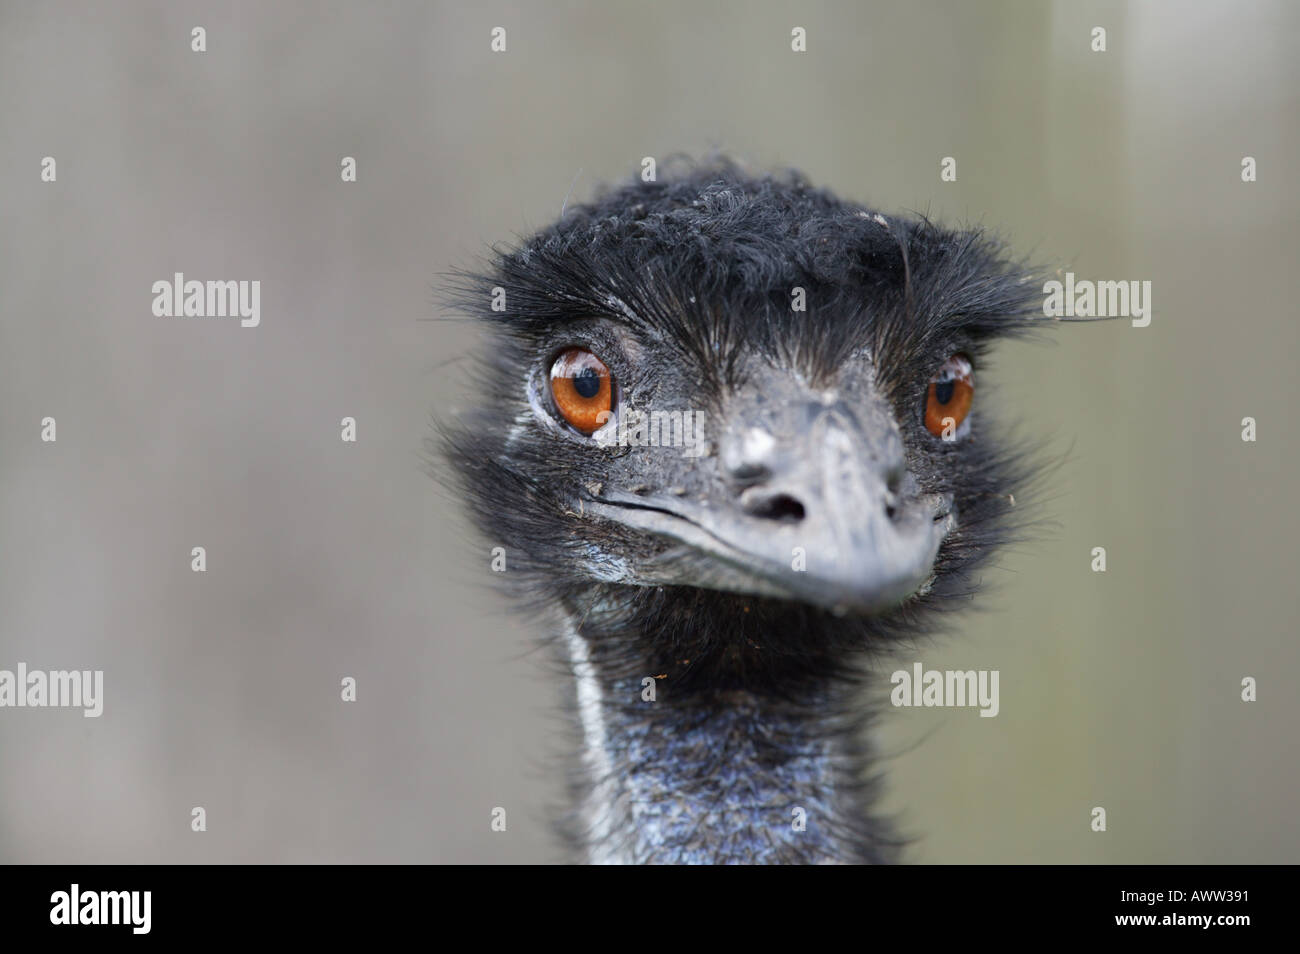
744, 398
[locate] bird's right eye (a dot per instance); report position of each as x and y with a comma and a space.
948, 399
583, 390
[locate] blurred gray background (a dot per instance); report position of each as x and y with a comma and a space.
328, 559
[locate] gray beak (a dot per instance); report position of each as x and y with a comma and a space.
812, 502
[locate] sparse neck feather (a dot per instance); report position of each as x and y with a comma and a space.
713, 776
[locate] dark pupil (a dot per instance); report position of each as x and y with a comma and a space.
943, 390
587, 383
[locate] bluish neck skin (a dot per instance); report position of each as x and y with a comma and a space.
715, 777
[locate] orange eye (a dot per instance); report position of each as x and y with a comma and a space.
583, 389
948, 400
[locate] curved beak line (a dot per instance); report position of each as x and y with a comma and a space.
828, 531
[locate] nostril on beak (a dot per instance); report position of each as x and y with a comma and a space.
894, 478
747, 472
893, 481
780, 507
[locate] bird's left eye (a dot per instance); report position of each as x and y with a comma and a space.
949, 397
583, 390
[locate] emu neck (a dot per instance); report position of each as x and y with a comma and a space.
699, 774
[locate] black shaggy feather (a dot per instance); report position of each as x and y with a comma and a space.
683, 287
